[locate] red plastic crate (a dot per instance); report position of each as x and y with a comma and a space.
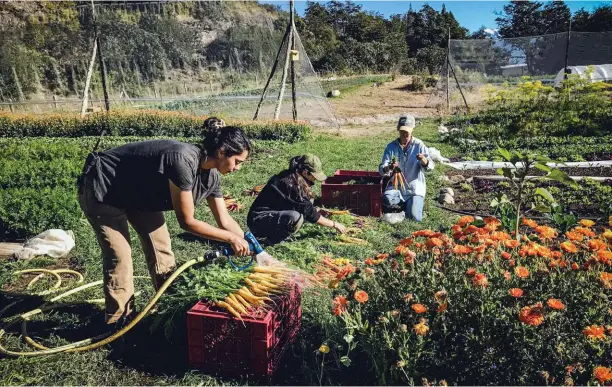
360, 199
220, 344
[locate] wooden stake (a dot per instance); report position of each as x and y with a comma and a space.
281, 93
265, 91
293, 91
89, 72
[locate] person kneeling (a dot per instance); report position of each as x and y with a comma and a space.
405, 161
287, 201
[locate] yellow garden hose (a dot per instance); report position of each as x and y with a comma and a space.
43, 271
90, 343
56, 288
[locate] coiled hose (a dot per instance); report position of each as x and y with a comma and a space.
86, 344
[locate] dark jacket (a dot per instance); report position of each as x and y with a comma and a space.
284, 193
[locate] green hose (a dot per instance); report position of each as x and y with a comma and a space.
93, 342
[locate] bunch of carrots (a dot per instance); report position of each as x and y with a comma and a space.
258, 287
255, 190
231, 204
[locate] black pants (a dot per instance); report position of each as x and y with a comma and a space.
274, 226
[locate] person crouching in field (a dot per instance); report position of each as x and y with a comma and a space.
134, 183
409, 156
287, 201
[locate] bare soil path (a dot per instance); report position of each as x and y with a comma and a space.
373, 109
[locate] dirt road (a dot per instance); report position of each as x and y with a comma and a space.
370, 110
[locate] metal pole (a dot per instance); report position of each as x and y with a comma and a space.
567, 45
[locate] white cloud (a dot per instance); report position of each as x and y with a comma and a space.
490, 31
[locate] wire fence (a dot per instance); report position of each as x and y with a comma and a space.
475, 64
204, 58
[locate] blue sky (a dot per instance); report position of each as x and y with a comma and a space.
470, 14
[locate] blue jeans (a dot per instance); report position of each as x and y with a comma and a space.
413, 207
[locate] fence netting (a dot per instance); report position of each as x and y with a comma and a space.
204, 58
481, 65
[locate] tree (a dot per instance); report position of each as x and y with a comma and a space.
431, 58
520, 18
598, 21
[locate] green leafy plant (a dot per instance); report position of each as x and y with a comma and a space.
517, 176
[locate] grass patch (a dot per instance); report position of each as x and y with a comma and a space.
158, 360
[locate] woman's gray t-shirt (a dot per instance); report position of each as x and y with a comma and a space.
135, 176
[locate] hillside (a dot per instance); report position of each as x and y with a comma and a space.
45, 47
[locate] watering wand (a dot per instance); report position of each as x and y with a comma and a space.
257, 253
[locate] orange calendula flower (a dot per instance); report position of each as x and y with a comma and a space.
546, 233
544, 251
433, 242
516, 292
607, 234
421, 328
569, 247
340, 305
361, 296
587, 232
500, 236
604, 256
596, 244
530, 223
441, 295
423, 233
346, 271
555, 304
491, 220
605, 276
419, 308
602, 374
575, 266
507, 275
479, 249
401, 250
471, 271
506, 255
442, 308
521, 272
471, 229
574, 236
465, 220
406, 242
587, 223
532, 315
595, 332
461, 250
512, 244
480, 280
556, 254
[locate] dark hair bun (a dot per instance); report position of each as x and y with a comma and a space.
230, 139
211, 139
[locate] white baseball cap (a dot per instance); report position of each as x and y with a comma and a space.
406, 123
